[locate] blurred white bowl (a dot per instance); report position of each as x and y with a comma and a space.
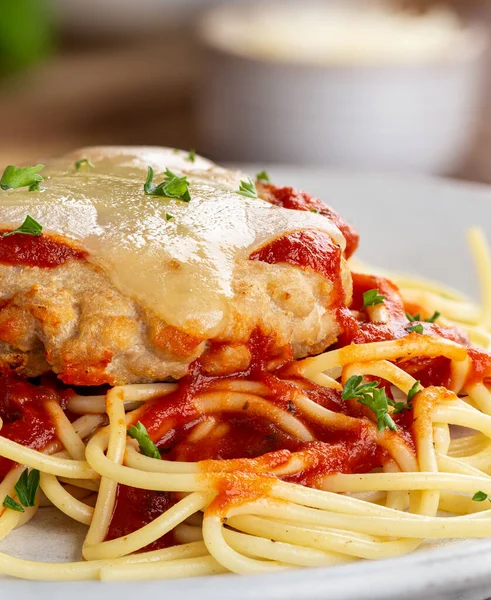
408, 104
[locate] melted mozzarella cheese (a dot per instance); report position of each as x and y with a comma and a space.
181, 268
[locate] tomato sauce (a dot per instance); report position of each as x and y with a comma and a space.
307, 248
135, 508
294, 199
353, 453
358, 331
480, 365
37, 251
428, 371
25, 418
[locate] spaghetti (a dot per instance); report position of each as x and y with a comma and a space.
337, 457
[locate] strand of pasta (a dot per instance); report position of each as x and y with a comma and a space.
65, 502
482, 260
282, 552
74, 469
329, 540
148, 533
116, 444
189, 567
87, 570
425, 527
424, 405
228, 557
160, 482
407, 481
65, 431
130, 394
234, 402
468, 445
184, 533
410, 345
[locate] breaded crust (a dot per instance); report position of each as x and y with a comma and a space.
73, 321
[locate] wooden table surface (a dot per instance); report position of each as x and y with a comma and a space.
142, 93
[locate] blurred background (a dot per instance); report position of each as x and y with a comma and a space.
394, 85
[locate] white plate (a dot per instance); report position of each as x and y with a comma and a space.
416, 225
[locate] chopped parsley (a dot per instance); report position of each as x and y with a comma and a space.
28, 227
416, 328
16, 177
314, 210
400, 407
248, 189
417, 317
168, 216
26, 489
84, 162
480, 497
191, 156
372, 298
263, 177
139, 433
172, 187
372, 396
433, 317
413, 391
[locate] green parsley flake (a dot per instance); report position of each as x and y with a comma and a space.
139, 433
263, 177
372, 298
26, 489
168, 216
28, 227
417, 317
480, 497
372, 396
433, 317
16, 177
413, 391
248, 189
84, 162
400, 407
172, 187
191, 156
416, 328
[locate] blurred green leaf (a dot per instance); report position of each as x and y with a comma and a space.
26, 33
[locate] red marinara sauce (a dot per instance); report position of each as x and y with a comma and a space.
25, 418
44, 251
480, 365
244, 435
289, 197
306, 248
358, 331
134, 508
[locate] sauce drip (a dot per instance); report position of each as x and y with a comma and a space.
294, 199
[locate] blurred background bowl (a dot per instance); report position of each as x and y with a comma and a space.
343, 84
352, 83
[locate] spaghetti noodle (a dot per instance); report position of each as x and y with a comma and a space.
341, 456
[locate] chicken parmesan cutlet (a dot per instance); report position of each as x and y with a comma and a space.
150, 258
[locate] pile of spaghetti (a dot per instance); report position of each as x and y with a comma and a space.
351, 454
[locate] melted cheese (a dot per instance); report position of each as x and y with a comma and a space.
183, 268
